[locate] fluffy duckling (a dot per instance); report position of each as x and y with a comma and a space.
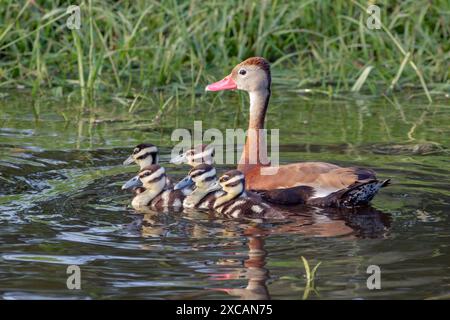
235, 202
202, 153
206, 190
154, 191
144, 155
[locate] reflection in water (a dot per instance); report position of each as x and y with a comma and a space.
363, 222
254, 270
366, 222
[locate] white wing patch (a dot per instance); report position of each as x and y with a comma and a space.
236, 213
257, 208
234, 205
177, 202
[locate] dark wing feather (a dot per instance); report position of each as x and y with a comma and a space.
287, 196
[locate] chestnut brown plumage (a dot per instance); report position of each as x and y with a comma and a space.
253, 75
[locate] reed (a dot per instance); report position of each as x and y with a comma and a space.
139, 46
310, 278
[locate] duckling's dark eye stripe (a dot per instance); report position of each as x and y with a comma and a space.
234, 184
197, 173
145, 155
210, 178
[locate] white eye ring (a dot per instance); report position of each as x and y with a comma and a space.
242, 72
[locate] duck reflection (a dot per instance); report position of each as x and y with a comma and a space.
253, 270
363, 222
366, 222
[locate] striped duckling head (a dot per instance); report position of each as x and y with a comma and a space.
203, 175
152, 178
150, 182
233, 183
144, 155
201, 153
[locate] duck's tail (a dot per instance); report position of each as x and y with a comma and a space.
358, 194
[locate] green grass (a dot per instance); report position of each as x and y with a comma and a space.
129, 48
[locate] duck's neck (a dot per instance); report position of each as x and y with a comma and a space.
230, 195
199, 193
255, 149
194, 198
150, 193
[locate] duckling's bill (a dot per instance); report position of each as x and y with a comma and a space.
128, 161
180, 159
134, 182
214, 187
184, 183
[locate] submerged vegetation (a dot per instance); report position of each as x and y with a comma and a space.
133, 47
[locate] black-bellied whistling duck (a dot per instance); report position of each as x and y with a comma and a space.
237, 204
206, 190
144, 155
253, 75
201, 153
156, 194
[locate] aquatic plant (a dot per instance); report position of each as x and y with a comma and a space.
310, 278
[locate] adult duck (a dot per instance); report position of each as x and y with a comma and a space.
253, 75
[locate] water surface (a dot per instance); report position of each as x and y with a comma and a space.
61, 203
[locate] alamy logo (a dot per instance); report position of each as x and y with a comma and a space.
74, 20
74, 280
374, 280
374, 20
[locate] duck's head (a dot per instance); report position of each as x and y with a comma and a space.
251, 75
201, 153
233, 182
152, 178
203, 176
144, 154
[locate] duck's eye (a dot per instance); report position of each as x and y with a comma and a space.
223, 179
135, 151
242, 72
191, 153
147, 174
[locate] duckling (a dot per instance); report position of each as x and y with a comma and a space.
157, 194
235, 202
144, 155
206, 190
201, 153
